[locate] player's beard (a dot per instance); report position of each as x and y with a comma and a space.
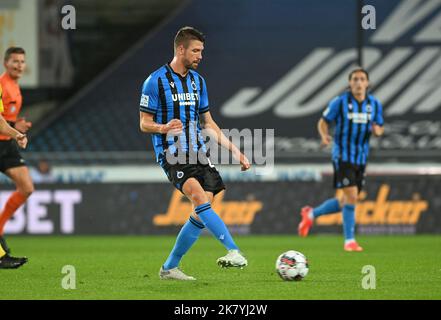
190, 65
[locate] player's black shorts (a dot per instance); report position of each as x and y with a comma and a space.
10, 156
347, 174
207, 176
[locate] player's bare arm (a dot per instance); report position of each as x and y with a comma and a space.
148, 125
323, 129
6, 129
208, 122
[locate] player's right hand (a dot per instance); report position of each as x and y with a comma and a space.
245, 163
22, 140
326, 140
174, 127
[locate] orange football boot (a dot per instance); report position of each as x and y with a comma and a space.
353, 246
306, 222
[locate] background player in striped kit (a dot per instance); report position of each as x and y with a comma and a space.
174, 104
356, 114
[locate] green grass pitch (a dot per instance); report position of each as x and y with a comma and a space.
407, 267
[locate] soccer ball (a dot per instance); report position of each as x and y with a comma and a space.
292, 266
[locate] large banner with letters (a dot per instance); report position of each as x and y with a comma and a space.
389, 205
291, 60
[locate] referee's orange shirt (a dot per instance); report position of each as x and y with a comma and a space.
1, 100
12, 100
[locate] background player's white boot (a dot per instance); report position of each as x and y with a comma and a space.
174, 274
232, 259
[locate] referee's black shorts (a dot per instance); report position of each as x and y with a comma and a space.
10, 156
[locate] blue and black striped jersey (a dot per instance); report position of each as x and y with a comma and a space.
167, 95
353, 126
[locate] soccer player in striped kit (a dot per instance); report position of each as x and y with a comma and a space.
174, 100
357, 115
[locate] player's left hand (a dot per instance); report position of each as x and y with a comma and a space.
378, 130
22, 125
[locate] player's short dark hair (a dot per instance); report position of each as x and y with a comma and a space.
185, 34
12, 50
359, 69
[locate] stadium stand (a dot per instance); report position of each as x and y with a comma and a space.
287, 92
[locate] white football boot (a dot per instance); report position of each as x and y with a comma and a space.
232, 259
174, 274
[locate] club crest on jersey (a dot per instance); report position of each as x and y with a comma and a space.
180, 174
350, 106
368, 108
193, 85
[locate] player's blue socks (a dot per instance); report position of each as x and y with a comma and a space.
329, 206
349, 221
187, 236
215, 224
